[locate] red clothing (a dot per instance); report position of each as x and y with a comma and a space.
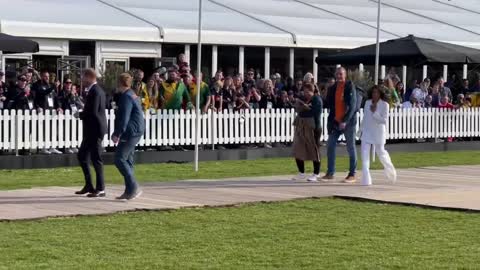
339, 102
446, 106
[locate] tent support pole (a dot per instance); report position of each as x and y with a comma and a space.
199, 69
377, 52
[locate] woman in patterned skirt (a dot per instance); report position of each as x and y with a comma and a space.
306, 141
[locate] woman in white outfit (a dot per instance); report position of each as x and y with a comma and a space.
374, 135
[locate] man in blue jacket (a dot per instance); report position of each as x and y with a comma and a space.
129, 128
342, 102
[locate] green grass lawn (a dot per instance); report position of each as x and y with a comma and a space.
14, 179
303, 234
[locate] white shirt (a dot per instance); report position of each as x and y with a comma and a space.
419, 94
407, 105
374, 125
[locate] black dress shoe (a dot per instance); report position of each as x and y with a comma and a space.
85, 190
97, 194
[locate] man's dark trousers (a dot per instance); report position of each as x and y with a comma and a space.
90, 150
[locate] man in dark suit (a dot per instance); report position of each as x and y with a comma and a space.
94, 129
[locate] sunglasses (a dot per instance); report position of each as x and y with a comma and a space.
23, 80
68, 82
250, 73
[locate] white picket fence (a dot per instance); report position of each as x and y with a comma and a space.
29, 130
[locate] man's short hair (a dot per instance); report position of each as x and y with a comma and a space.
341, 69
44, 71
90, 72
125, 79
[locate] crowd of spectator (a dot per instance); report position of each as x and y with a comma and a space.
175, 88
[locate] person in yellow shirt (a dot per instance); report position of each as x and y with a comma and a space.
141, 89
204, 93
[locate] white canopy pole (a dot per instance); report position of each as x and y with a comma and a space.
199, 69
377, 54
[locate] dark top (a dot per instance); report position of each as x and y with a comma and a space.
263, 104
247, 85
315, 111
350, 100
216, 97
93, 114
18, 100
284, 104
41, 93
129, 121
66, 100
227, 98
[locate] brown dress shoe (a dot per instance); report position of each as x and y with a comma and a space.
350, 179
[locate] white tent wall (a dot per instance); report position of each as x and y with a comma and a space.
179, 20
315, 23
71, 19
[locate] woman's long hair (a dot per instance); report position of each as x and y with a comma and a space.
153, 92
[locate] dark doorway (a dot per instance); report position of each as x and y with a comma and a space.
228, 60
145, 64
83, 48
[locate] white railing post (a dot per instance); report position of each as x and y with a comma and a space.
16, 119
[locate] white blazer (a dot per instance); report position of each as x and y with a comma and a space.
374, 125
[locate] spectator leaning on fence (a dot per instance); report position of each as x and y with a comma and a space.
283, 101
268, 99
173, 92
420, 93
44, 93
216, 94
228, 93
45, 98
20, 98
342, 102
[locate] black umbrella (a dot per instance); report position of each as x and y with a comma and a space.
12, 44
409, 50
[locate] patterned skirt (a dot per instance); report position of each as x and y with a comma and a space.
304, 145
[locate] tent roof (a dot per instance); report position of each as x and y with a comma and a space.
408, 50
289, 23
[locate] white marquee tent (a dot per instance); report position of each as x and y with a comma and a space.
286, 23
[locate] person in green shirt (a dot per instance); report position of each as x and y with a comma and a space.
204, 93
174, 93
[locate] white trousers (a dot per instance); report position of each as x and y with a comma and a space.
383, 156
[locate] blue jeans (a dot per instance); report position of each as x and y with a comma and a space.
124, 162
332, 148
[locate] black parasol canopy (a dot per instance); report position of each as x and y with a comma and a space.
409, 50
12, 44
